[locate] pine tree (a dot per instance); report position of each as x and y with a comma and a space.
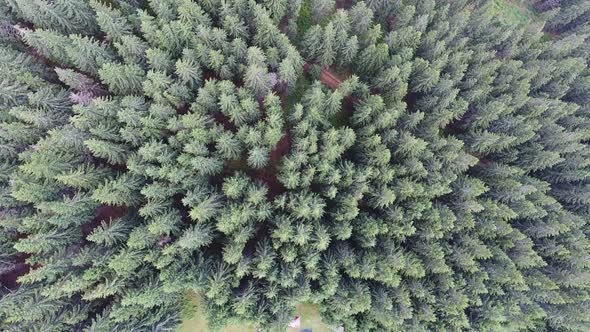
122, 79
321, 9
257, 80
258, 157
65, 16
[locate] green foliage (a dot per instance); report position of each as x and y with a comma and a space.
304, 20
110, 233
68, 16
513, 12
428, 170
320, 9
119, 191
122, 79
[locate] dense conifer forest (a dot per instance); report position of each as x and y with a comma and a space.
404, 165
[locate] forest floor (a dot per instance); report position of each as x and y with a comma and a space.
310, 319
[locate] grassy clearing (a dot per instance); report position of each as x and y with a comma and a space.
520, 12
310, 318
194, 320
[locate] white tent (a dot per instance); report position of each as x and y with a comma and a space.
296, 323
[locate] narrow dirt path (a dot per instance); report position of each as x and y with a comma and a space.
327, 77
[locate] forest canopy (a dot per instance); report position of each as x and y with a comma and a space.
403, 165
